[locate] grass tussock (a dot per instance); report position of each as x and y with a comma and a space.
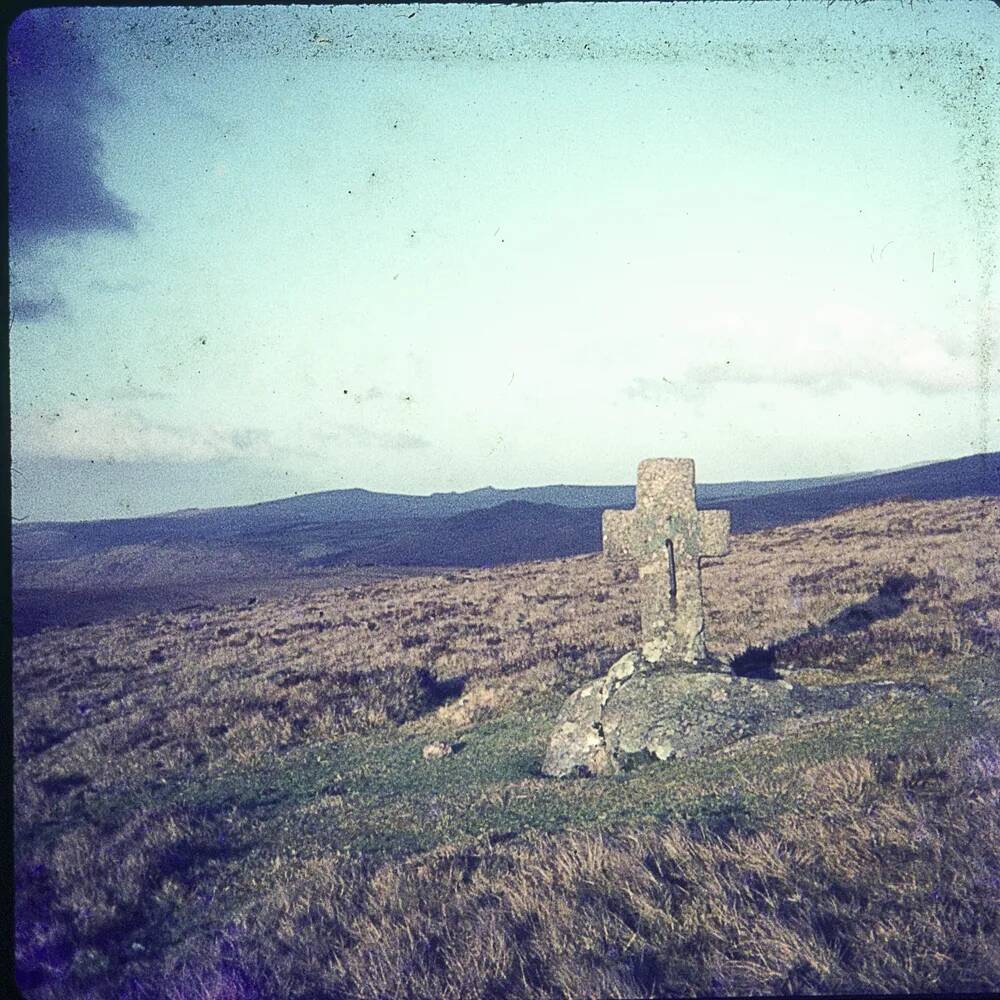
230, 803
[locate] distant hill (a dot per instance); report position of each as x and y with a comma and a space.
514, 531
329, 513
976, 475
309, 537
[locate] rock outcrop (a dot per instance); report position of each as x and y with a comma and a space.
675, 710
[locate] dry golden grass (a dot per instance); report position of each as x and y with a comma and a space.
891, 887
885, 890
877, 873
165, 691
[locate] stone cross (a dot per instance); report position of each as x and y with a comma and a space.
666, 535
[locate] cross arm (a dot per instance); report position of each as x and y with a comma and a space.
617, 531
713, 532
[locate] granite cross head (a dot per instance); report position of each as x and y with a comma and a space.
666, 536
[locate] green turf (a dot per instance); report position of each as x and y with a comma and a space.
378, 796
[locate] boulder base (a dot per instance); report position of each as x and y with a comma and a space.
671, 711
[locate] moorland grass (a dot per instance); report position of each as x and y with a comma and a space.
232, 804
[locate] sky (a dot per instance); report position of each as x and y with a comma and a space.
264, 251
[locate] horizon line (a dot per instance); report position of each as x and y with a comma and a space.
28, 521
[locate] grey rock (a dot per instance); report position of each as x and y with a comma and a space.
689, 711
643, 710
577, 745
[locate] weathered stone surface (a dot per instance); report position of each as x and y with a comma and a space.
642, 709
666, 535
681, 714
577, 743
616, 535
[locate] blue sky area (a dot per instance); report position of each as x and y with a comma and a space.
261, 251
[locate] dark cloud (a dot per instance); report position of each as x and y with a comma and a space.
30, 310
55, 94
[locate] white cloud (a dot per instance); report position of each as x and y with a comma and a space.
106, 432
834, 348
101, 432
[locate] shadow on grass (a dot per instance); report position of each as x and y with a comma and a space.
56, 949
441, 690
889, 601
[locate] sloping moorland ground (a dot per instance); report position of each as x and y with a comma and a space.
231, 802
